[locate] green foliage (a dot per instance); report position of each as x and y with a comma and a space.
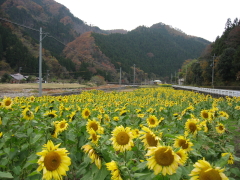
5, 78
154, 50
226, 62
225, 65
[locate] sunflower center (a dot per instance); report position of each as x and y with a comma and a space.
152, 121
62, 125
209, 174
52, 161
151, 140
8, 103
51, 115
87, 113
192, 127
94, 126
183, 143
220, 127
122, 138
164, 157
205, 114
28, 113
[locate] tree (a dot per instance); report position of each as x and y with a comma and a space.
5, 78
225, 66
99, 80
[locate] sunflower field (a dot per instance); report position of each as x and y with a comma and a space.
149, 133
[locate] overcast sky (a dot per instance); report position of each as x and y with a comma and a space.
201, 18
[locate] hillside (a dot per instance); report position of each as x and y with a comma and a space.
225, 53
156, 51
159, 49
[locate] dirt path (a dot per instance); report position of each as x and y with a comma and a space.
30, 89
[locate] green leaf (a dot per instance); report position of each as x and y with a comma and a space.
169, 135
177, 175
140, 176
31, 160
20, 135
235, 171
33, 173
5, 175
6, 150
195, 153
35, 138
222, 161
101, 174
29, 131
17, 170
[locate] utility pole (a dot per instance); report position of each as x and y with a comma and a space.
40, 60
186, 76
47, 75
213, 71
120, 78
134, 74
40, 63
175, 78
20, 68
178, 77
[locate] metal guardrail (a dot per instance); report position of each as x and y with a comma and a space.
221, 92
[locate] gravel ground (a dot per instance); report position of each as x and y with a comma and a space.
65, 91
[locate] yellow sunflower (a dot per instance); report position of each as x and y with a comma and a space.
72, 116
223, 114
123, 112
162, 160
135, 133
220, 128
51, 114
192, 126
93, 136
54, 161
7, 102
88, 149
230, 159
32, 98
152, 121
149, 138
122, 139
203, 170
183, 156
27, 114
141, 115
150, 110
182, 142
1, 134
95, 125
62, 125
113, 167
203, 125
116, 118
37, 109
205, 114
86, 113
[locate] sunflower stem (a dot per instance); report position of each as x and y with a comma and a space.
125, 162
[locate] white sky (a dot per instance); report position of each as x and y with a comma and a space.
201, 18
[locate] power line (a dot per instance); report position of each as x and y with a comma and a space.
19, 24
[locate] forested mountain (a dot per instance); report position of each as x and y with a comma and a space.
219, 65
159, 49
155, 51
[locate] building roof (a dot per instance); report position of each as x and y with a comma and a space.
18, 76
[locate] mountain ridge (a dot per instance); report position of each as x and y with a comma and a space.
58, 21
